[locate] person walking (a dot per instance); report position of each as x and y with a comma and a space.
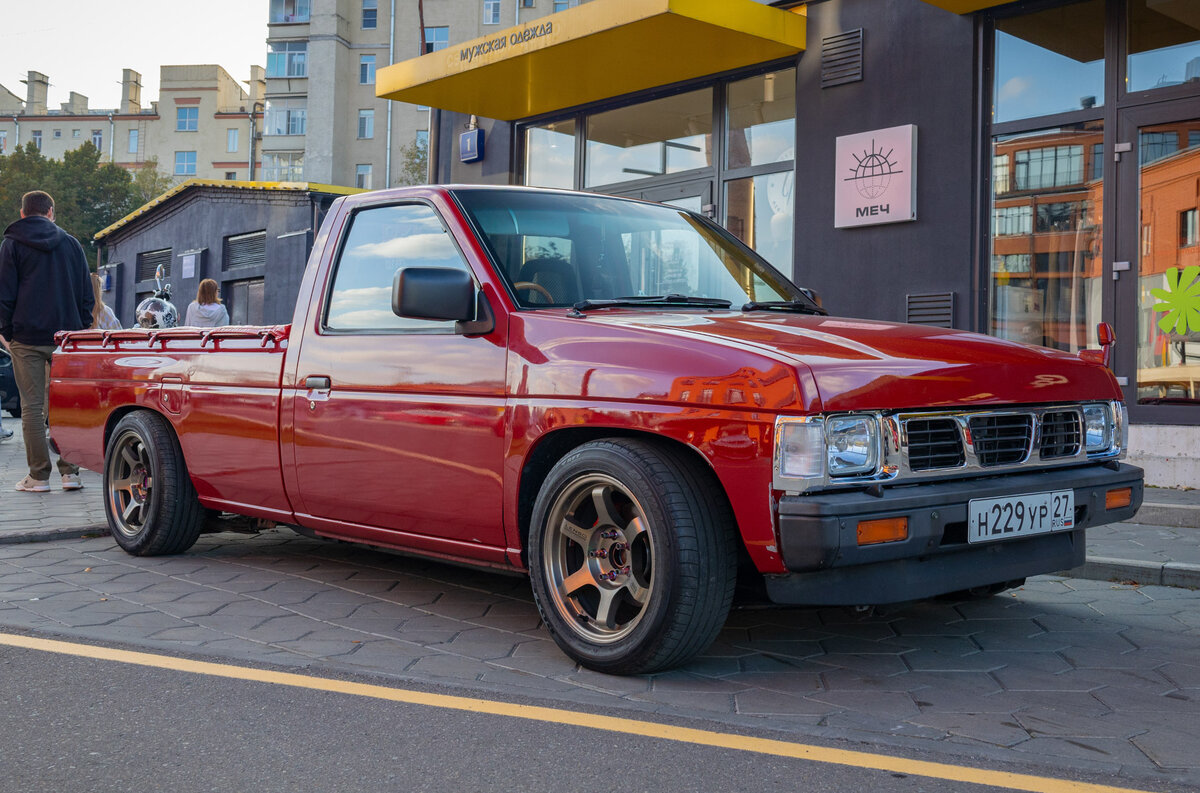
206, 311
44, 288
103, 317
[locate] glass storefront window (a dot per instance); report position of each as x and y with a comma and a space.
759, 212
1049, 62
1046, 246
1168, 353
1164, 44
762, 119
653, 138
550, 155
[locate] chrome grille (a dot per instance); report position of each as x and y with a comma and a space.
933, 443
1060, 435
1002, 439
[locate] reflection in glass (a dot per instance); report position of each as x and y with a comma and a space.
381, 241
1164, 43
1046, 237
1048, 62
762, 119
1168, 358
550, 155
653, 138
759, 213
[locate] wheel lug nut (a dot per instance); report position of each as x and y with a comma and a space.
598, 554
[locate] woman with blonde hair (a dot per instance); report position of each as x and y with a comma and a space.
103, 317
206, 311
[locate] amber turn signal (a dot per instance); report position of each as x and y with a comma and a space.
873, 532
1115, 499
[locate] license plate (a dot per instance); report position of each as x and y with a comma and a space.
991, 519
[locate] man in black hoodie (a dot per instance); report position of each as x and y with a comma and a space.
45, 287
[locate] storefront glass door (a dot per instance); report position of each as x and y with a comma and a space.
1160, 293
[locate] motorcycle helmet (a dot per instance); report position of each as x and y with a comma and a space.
156, 313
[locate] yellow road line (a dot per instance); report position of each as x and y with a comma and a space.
648, 729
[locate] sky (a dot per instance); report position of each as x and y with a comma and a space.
82, 45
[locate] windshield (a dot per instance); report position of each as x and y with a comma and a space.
559, 249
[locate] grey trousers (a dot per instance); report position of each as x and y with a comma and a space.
31, 367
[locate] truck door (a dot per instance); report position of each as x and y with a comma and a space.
398, 423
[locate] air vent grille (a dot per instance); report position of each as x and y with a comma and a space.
842, 58
933, 443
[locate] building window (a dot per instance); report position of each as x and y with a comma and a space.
366, 123
58, 133
366, 69
1189, 234
669, 135
526, 3
423, 139
1157, 145
98, 138
286, 117
436, 38
563, 5
3, 141
230, 176
1052, 166
187, 119
245, 301
287, 59
550, 154
491, 12
133, 141
1012, 220
290, 11
231, 139
362, 176
1097, 161
37, 139
285, 166
74, 133
370, 14
185, 163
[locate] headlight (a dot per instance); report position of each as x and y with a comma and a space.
852, 445
1121, 433
1097, 428
800, 449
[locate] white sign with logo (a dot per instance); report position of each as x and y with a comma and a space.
876, 177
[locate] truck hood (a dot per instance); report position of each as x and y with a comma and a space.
860, 364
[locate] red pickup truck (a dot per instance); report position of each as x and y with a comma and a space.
617, 397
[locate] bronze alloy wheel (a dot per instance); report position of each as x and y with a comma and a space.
598, 558
130, 483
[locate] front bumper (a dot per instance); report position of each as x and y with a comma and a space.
819, 537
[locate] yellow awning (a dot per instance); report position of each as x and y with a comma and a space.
595, 51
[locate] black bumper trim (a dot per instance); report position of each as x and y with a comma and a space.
818, 537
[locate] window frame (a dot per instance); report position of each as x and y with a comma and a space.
194, 163
447, 327
187, 118
366, 69
135, 140
366, 118
492, 6
373, 7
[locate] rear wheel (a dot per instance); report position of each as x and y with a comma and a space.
151, 504
632, 556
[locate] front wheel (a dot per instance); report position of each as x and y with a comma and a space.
149, 499
632, 556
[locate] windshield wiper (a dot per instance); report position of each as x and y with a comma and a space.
641, 300
802, 306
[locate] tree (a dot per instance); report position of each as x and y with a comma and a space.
414, 163
149, 182
88, 195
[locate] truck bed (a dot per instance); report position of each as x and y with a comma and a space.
219, 387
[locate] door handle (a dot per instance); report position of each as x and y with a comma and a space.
318, 389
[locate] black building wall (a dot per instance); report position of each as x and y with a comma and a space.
200, 219
918, 68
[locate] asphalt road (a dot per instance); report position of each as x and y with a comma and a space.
79, 724
1062, 678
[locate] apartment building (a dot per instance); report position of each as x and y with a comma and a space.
323, 120
203, 124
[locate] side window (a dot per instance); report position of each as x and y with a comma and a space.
381, 241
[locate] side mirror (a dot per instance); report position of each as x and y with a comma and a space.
441, 293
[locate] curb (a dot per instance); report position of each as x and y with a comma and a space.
1176, 516
47, 535
1099, 568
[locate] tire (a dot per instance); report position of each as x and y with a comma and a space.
151, 504
632, 556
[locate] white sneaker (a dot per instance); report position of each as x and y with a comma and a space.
5, 434
71, 482
31, 485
